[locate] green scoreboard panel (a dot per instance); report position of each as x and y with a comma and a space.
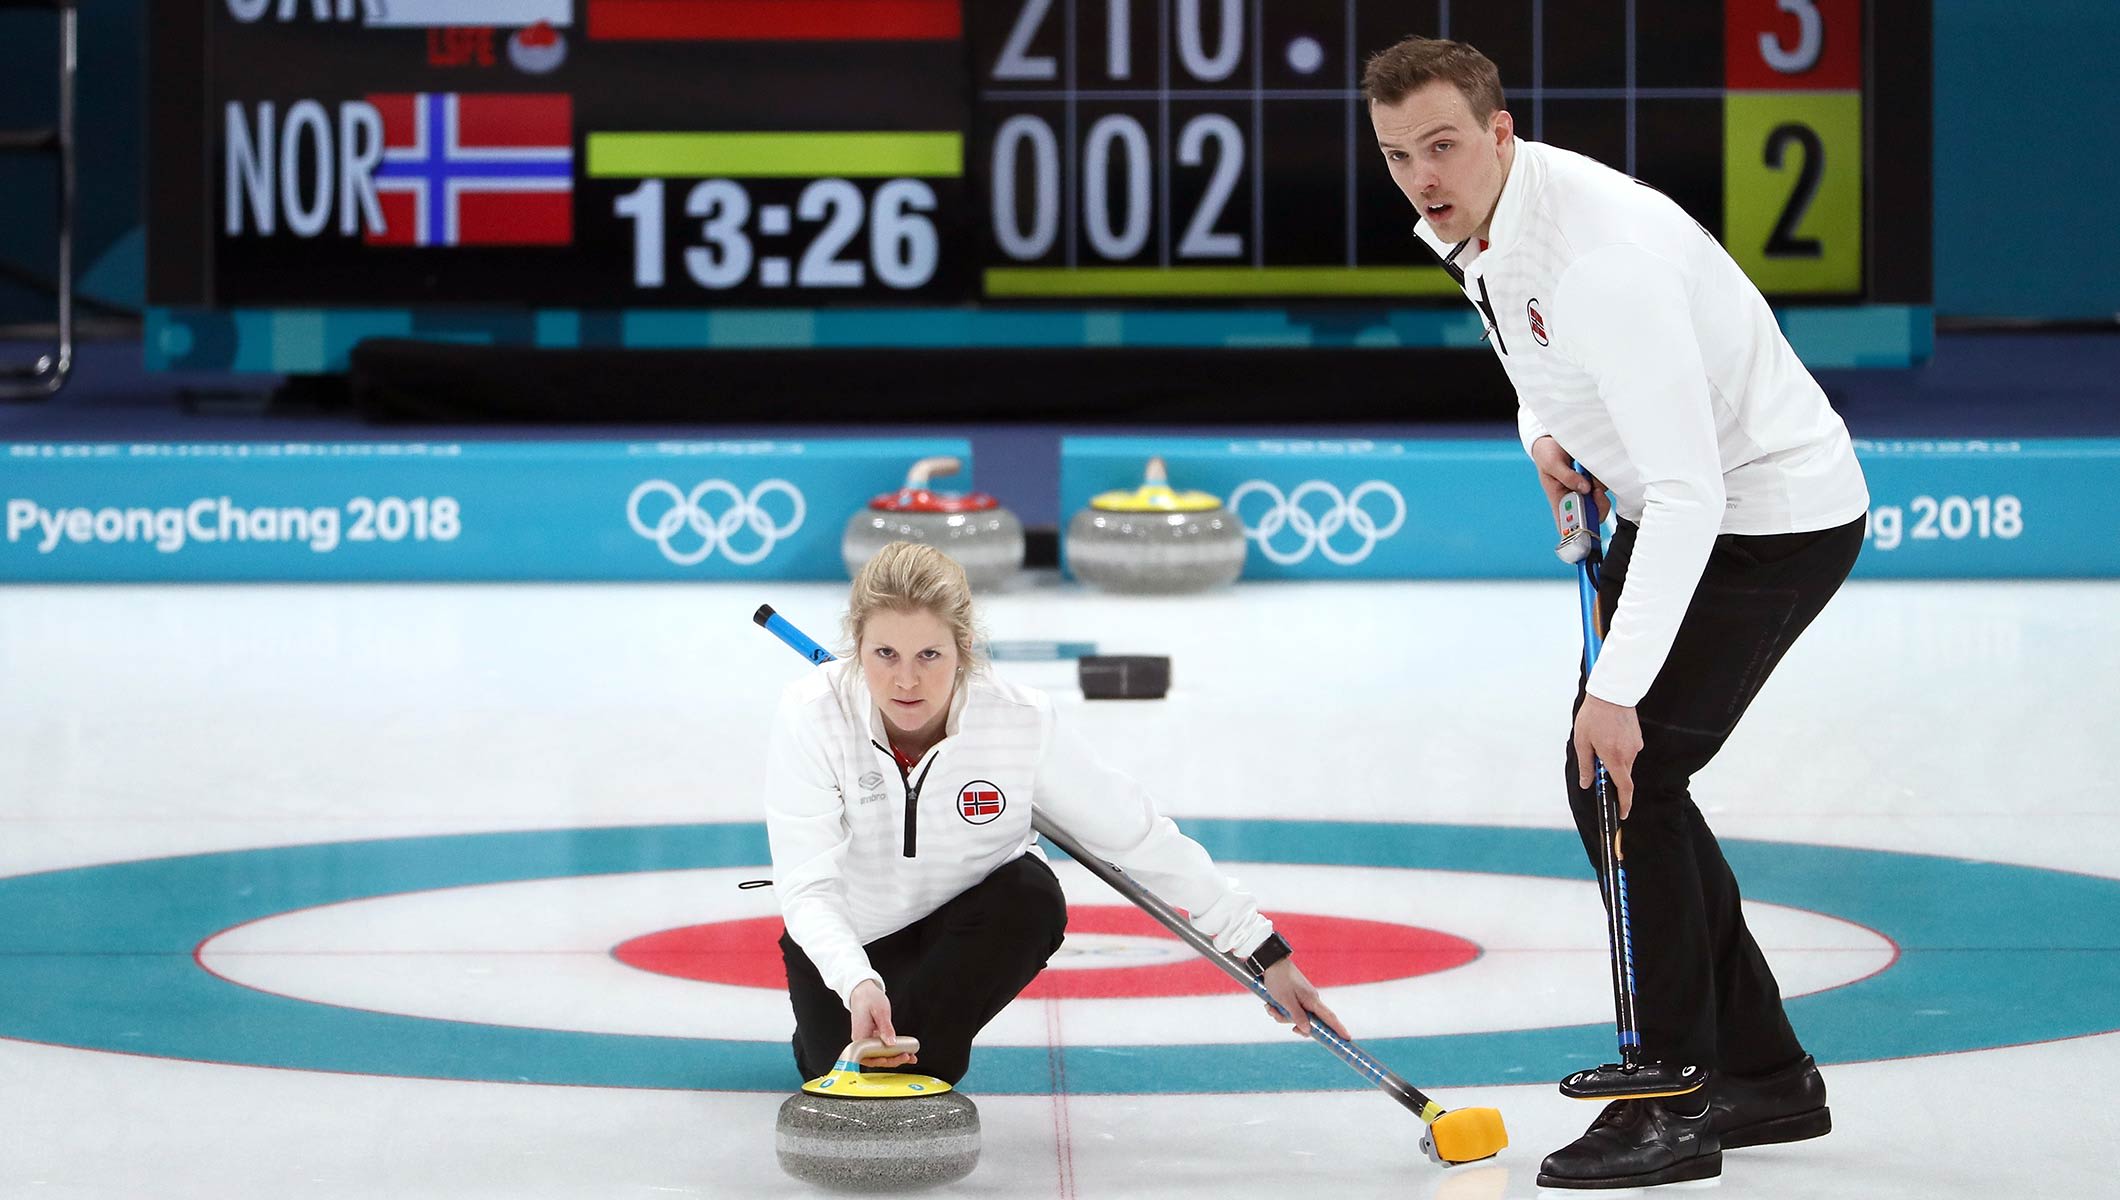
1131, 154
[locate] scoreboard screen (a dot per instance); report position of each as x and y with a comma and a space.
630, 154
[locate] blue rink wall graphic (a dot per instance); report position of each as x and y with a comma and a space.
1472, 509
672, 510
708, 510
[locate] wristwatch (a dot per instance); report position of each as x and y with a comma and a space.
1272, 950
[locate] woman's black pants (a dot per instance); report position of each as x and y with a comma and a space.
946, 975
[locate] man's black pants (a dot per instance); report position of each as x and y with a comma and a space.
1704, 992
946, 975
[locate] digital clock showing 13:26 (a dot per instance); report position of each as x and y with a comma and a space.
736, 213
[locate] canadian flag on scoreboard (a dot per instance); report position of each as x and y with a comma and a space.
475, 170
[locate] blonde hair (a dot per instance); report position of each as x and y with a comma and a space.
911, 577
1398, 71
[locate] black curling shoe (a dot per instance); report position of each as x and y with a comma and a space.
1638, 1143
1761, 1110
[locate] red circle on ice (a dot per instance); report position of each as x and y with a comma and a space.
1116, 952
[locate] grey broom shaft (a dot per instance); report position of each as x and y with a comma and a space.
1148, 902
1144, 899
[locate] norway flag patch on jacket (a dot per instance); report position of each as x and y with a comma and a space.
475, 170
979, 802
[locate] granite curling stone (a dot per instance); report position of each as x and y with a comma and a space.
857, 1131
1153, 539
971, 527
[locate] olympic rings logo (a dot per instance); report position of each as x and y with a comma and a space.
689, 510
1317, 531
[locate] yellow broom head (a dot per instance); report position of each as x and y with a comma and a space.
1465, 1135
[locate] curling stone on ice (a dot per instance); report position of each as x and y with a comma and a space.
1154, 539
971, 527
877, 1131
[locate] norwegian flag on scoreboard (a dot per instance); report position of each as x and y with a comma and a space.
475, 170
980, 802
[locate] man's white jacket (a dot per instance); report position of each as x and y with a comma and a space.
860, 851
1635, 340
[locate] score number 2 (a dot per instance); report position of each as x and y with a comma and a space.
904, 247
1783, 242
1792, 145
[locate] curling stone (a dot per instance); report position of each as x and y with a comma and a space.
971, 527
873, 1131
1154, 539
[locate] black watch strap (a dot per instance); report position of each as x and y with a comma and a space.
1272, 950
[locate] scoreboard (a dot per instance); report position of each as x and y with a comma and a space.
746, 154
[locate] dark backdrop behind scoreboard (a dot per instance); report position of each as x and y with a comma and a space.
697, 154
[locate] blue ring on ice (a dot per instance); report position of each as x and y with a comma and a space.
101, 958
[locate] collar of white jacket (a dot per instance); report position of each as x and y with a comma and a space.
860, 708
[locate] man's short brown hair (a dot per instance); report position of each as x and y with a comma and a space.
1398, 71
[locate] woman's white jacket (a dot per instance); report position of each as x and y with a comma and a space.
860, 851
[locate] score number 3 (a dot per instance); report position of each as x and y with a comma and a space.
1810, 38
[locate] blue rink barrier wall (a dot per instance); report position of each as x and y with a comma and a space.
1472, 509
668, 510
706, 510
